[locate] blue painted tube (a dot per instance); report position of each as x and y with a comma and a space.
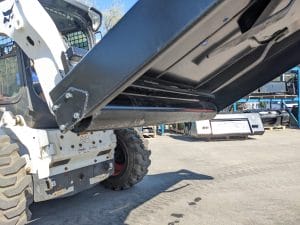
297, 68
235, 107
298, 78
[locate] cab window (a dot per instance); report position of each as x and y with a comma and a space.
10, 80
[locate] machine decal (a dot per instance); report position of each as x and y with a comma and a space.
8, 15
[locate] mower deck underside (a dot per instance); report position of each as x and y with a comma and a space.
189, 57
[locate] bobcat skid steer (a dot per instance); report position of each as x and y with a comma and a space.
68, 106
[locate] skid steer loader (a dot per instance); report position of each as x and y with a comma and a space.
68, 106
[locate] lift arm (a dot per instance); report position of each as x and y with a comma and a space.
30, 26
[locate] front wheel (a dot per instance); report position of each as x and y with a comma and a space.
132, 159
15, 185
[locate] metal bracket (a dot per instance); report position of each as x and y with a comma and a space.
74, 102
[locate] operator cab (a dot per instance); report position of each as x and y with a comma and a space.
77, 22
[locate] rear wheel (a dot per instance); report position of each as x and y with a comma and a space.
132, 159
15, 185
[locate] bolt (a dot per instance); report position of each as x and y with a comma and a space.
55, 107
76, 116
62, 127
68, 95
106, 166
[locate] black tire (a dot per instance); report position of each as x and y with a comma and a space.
132, 151
15, 185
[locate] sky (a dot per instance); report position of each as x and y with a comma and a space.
106, 4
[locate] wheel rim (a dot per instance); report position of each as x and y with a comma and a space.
120, 159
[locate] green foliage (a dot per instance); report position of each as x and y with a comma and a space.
262, 105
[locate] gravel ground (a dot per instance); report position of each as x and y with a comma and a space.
255, 181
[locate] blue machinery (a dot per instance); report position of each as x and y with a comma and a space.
297, 70
284, 99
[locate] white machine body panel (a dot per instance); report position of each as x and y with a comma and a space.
35, 32
228, 124
49, 152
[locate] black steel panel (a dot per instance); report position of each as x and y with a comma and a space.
282, 57
190, 54
128, 50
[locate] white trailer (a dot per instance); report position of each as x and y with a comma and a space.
226, 125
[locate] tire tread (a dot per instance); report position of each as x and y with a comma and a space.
15, 185
141, 161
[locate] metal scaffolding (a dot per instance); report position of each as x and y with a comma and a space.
283, 98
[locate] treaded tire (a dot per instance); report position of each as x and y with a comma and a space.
137, 160
15, 185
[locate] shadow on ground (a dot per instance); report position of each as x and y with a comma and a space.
102, 206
